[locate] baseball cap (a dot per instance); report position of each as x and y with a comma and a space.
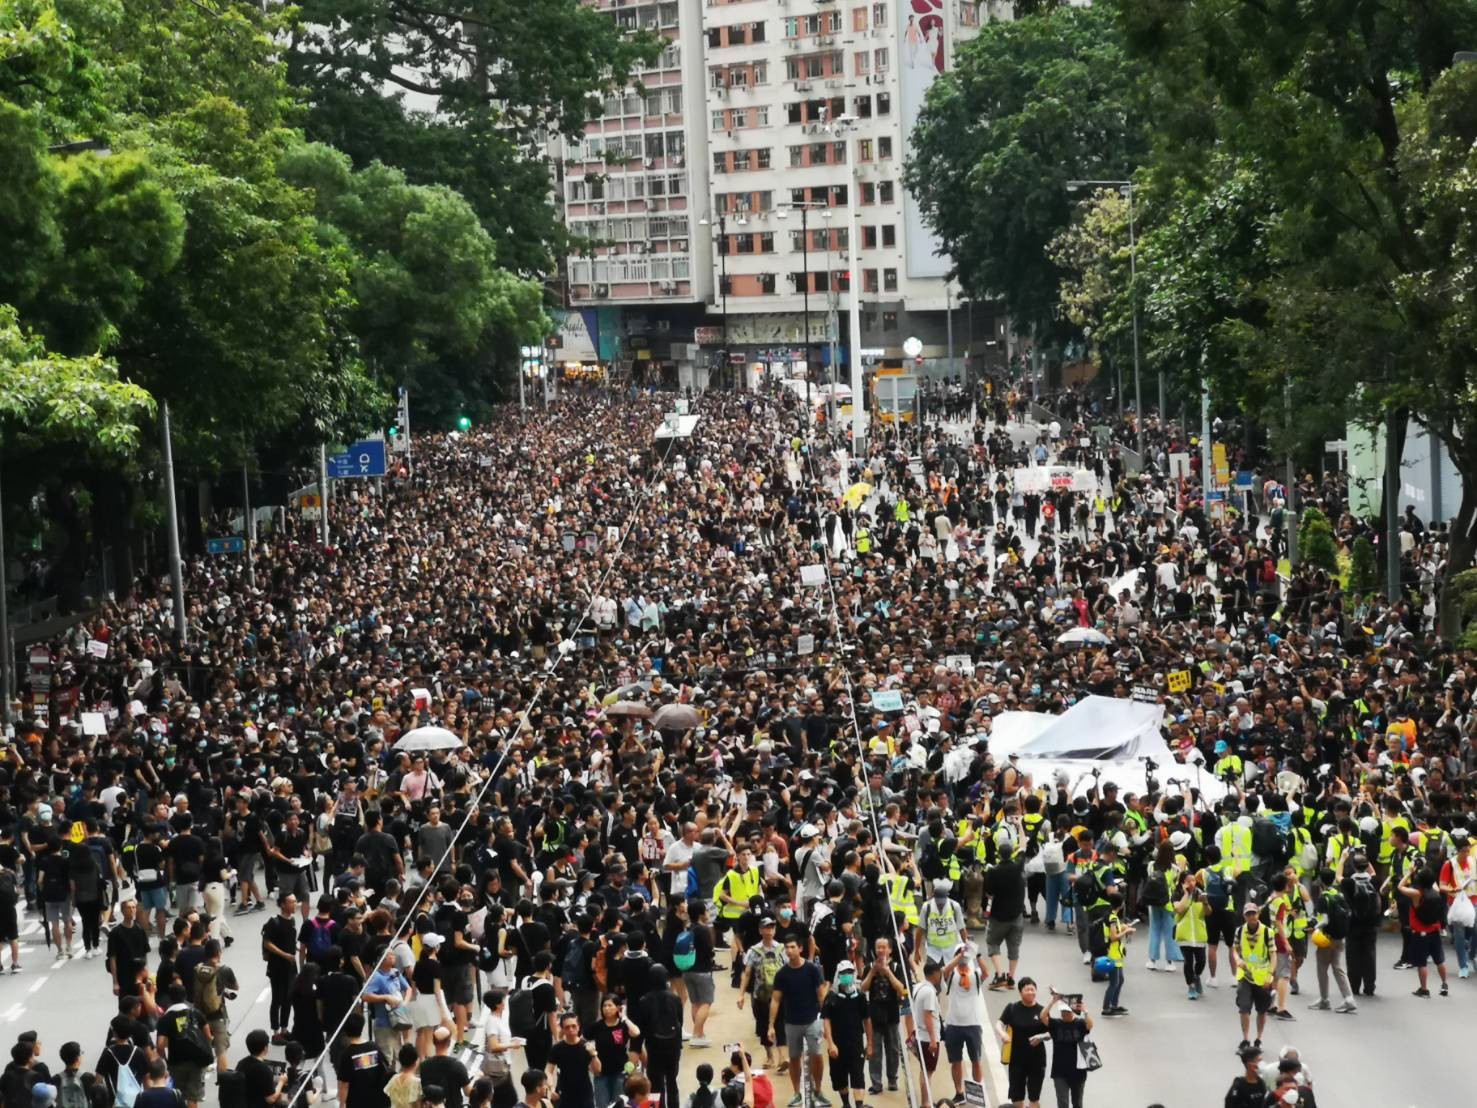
432, 940
1251, 907
767, 921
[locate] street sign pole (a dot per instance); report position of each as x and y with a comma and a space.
323, 493
176, 570
249, 526
7, 654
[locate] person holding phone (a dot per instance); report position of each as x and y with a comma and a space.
1191, 930
1068, 1022
1019, 1029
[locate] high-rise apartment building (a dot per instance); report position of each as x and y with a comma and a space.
717, 197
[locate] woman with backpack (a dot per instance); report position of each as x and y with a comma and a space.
87, 894
1158, 893
1427, 910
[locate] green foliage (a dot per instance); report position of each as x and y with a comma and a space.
48, 400
427, 289
1364, 574
1030, 105
1093, 256
1316, 543
500, 75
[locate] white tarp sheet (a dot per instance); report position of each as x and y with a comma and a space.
1063, 478
1098, 733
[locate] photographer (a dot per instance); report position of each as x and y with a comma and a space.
1068, 1022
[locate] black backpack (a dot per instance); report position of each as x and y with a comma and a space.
523, 1017
666, 1018
1087, 887
1268, 842
1364, 902
1339, 917
1432, 908
230, 1089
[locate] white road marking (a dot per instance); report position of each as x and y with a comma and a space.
261, 996
36, 984
13, 1013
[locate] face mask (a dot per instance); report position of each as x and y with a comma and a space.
786, 913
847, 981
940, 897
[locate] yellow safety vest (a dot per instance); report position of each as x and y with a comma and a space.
1387, 842
1256, 957
1238, 850
900, 897
742, 887
1301, 838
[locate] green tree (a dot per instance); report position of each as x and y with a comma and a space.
1030, 105
464, 93
432, 309
1092, 254
1348, 118
1316, 543
1364, 574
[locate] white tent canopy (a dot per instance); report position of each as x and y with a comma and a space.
1100, 733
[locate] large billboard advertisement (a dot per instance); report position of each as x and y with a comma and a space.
922, 54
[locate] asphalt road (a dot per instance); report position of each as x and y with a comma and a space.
1399, 1050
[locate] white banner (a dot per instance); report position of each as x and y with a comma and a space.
922, 54
1062, 478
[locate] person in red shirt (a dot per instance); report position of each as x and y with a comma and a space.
1459, 881
1427, 915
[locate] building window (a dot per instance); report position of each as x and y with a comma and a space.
879, 62
715, 37
879, 15
766, 242
869, 280
869, 193
761, 73
797, 156
756, 32
720, 161
766, 282
838, 153
864, 150
795, 113
889, 321
884, 147
859, 19
969, 13
862, 107
884, 192
889, 280
863, 63
842, 278
762, 160
884, 103
889, 235
760, 117
720, 121
792, 27
869, 237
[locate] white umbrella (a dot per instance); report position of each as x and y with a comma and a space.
429, 738
1082, 635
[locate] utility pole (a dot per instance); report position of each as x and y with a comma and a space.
1133, 280
1392, 505
1205, 475
1289, 510
949, 320
323, 493
805, 264
249, 527
854, 281
176, 570
7, 652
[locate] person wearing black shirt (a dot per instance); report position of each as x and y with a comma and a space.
292, 859
338, 992
884, 989
847, 1027
250, 849
263, 1087
382, 858
1019, 1022
128, 951
185, 853
1247, 1091
445, 1071
459, 954
574, 1060
279, 943
1005, 884
360, 1069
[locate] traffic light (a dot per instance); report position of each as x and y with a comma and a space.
463, 423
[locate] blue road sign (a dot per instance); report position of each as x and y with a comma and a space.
231, 544
1245, 478
362, 459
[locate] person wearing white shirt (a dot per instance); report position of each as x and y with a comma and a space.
964, 1014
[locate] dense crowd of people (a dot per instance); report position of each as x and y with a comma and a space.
682, 765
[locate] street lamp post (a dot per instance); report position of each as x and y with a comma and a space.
782, 211
723, 276
1128, 188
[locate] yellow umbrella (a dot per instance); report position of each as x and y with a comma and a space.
856, 494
